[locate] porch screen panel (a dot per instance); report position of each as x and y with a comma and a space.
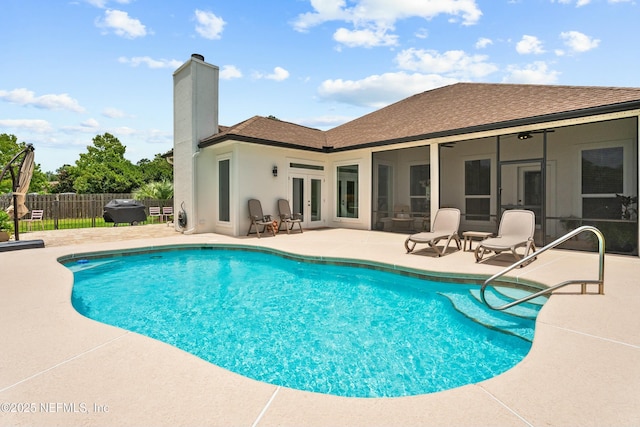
477, 189
224, 190
419, 188
602, 179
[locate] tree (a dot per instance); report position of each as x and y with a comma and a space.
9, 147
158, 190
103, 168
155, 170
65, 176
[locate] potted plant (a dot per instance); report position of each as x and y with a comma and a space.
6, 226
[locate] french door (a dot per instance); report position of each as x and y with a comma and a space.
521, 186
306, 198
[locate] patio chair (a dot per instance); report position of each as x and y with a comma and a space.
154, 211
36, 215
445, 226
287, 218
516, 230
167, 212
259, 219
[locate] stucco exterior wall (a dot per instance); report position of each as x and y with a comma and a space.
195, 116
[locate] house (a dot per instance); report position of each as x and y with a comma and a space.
570, 154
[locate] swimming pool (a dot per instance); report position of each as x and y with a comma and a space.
316, 326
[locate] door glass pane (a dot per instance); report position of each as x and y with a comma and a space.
223, 191
298, 196
316, 196
533, 188
347, 191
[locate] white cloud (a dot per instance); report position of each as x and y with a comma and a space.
454, 63
26, 97
579, 42
483, 42
113, 113
229, 72
422, 33
279, 74
121, 24
209, 25
378, 91
90, 123
365, 38
103, 3
377, 17
529, 44
536, 73
38, 126
150, 62
579, 3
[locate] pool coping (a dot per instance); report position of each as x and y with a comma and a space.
449, 277
582, 369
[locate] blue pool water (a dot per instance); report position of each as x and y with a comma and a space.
327, 328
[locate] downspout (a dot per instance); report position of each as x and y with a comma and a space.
194, 183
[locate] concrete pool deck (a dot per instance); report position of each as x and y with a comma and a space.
60, 368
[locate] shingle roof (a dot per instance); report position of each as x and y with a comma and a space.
454, 109
467, 105
270, 131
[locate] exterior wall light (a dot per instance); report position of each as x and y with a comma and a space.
274, 171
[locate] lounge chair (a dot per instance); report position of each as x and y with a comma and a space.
445, 226
516, 230
287, 218
259, 219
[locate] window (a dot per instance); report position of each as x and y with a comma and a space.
477, 189
419, 188
224, 190
602, 178
347, 191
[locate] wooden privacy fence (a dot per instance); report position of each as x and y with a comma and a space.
75, 210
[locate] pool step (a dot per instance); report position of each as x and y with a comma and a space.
83, 264
497, 299
477, 312
514, 294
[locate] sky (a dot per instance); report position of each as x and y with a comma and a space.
71, 70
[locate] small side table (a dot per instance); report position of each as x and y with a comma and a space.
469, 236
407, 221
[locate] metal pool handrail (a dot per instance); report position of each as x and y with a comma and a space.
599, 282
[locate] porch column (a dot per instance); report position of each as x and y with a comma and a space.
434, 160
638, 176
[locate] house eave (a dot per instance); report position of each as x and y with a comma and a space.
242, 138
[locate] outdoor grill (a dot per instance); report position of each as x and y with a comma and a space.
125, 211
